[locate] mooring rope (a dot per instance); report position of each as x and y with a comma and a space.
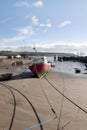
61, 107
66, 97
52, 109
45, 122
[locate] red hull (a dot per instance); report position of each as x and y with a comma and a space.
40, 69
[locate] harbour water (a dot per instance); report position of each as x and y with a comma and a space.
69, 67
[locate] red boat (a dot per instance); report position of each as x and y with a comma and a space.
40, 66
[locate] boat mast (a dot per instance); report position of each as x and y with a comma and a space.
35, 49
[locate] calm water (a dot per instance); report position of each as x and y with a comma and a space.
69, 67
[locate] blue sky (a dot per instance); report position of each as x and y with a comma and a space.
53, 25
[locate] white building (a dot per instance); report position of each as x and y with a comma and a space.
18, 56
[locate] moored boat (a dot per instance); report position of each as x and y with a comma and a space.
77, 70
40, 66
5, 76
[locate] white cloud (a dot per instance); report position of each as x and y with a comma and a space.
22, 4
45, 25
22, 33
38, 3
57, 46
49, 25
28, 30
62, 47
35, 20
12, 39
65, 23
42, 25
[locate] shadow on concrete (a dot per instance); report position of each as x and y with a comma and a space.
24, 75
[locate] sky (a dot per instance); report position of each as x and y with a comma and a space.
50, 25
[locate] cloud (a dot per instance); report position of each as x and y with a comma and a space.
12, 39
62, 47
45, 25
48, 23
35, 20
22, 4
65, 23
56, 46
28, 30
22, 33
38, 3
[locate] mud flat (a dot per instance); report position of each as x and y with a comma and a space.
38, 102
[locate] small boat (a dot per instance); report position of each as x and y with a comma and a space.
77, 70
5, 76
85, 64
40, 66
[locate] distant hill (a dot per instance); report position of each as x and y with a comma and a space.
11, 53
7, 53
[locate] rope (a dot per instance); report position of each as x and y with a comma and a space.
47, 98
61, 108
66, 97
44, 122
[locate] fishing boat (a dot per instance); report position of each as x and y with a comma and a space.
40, 66
77, 70
5, 76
